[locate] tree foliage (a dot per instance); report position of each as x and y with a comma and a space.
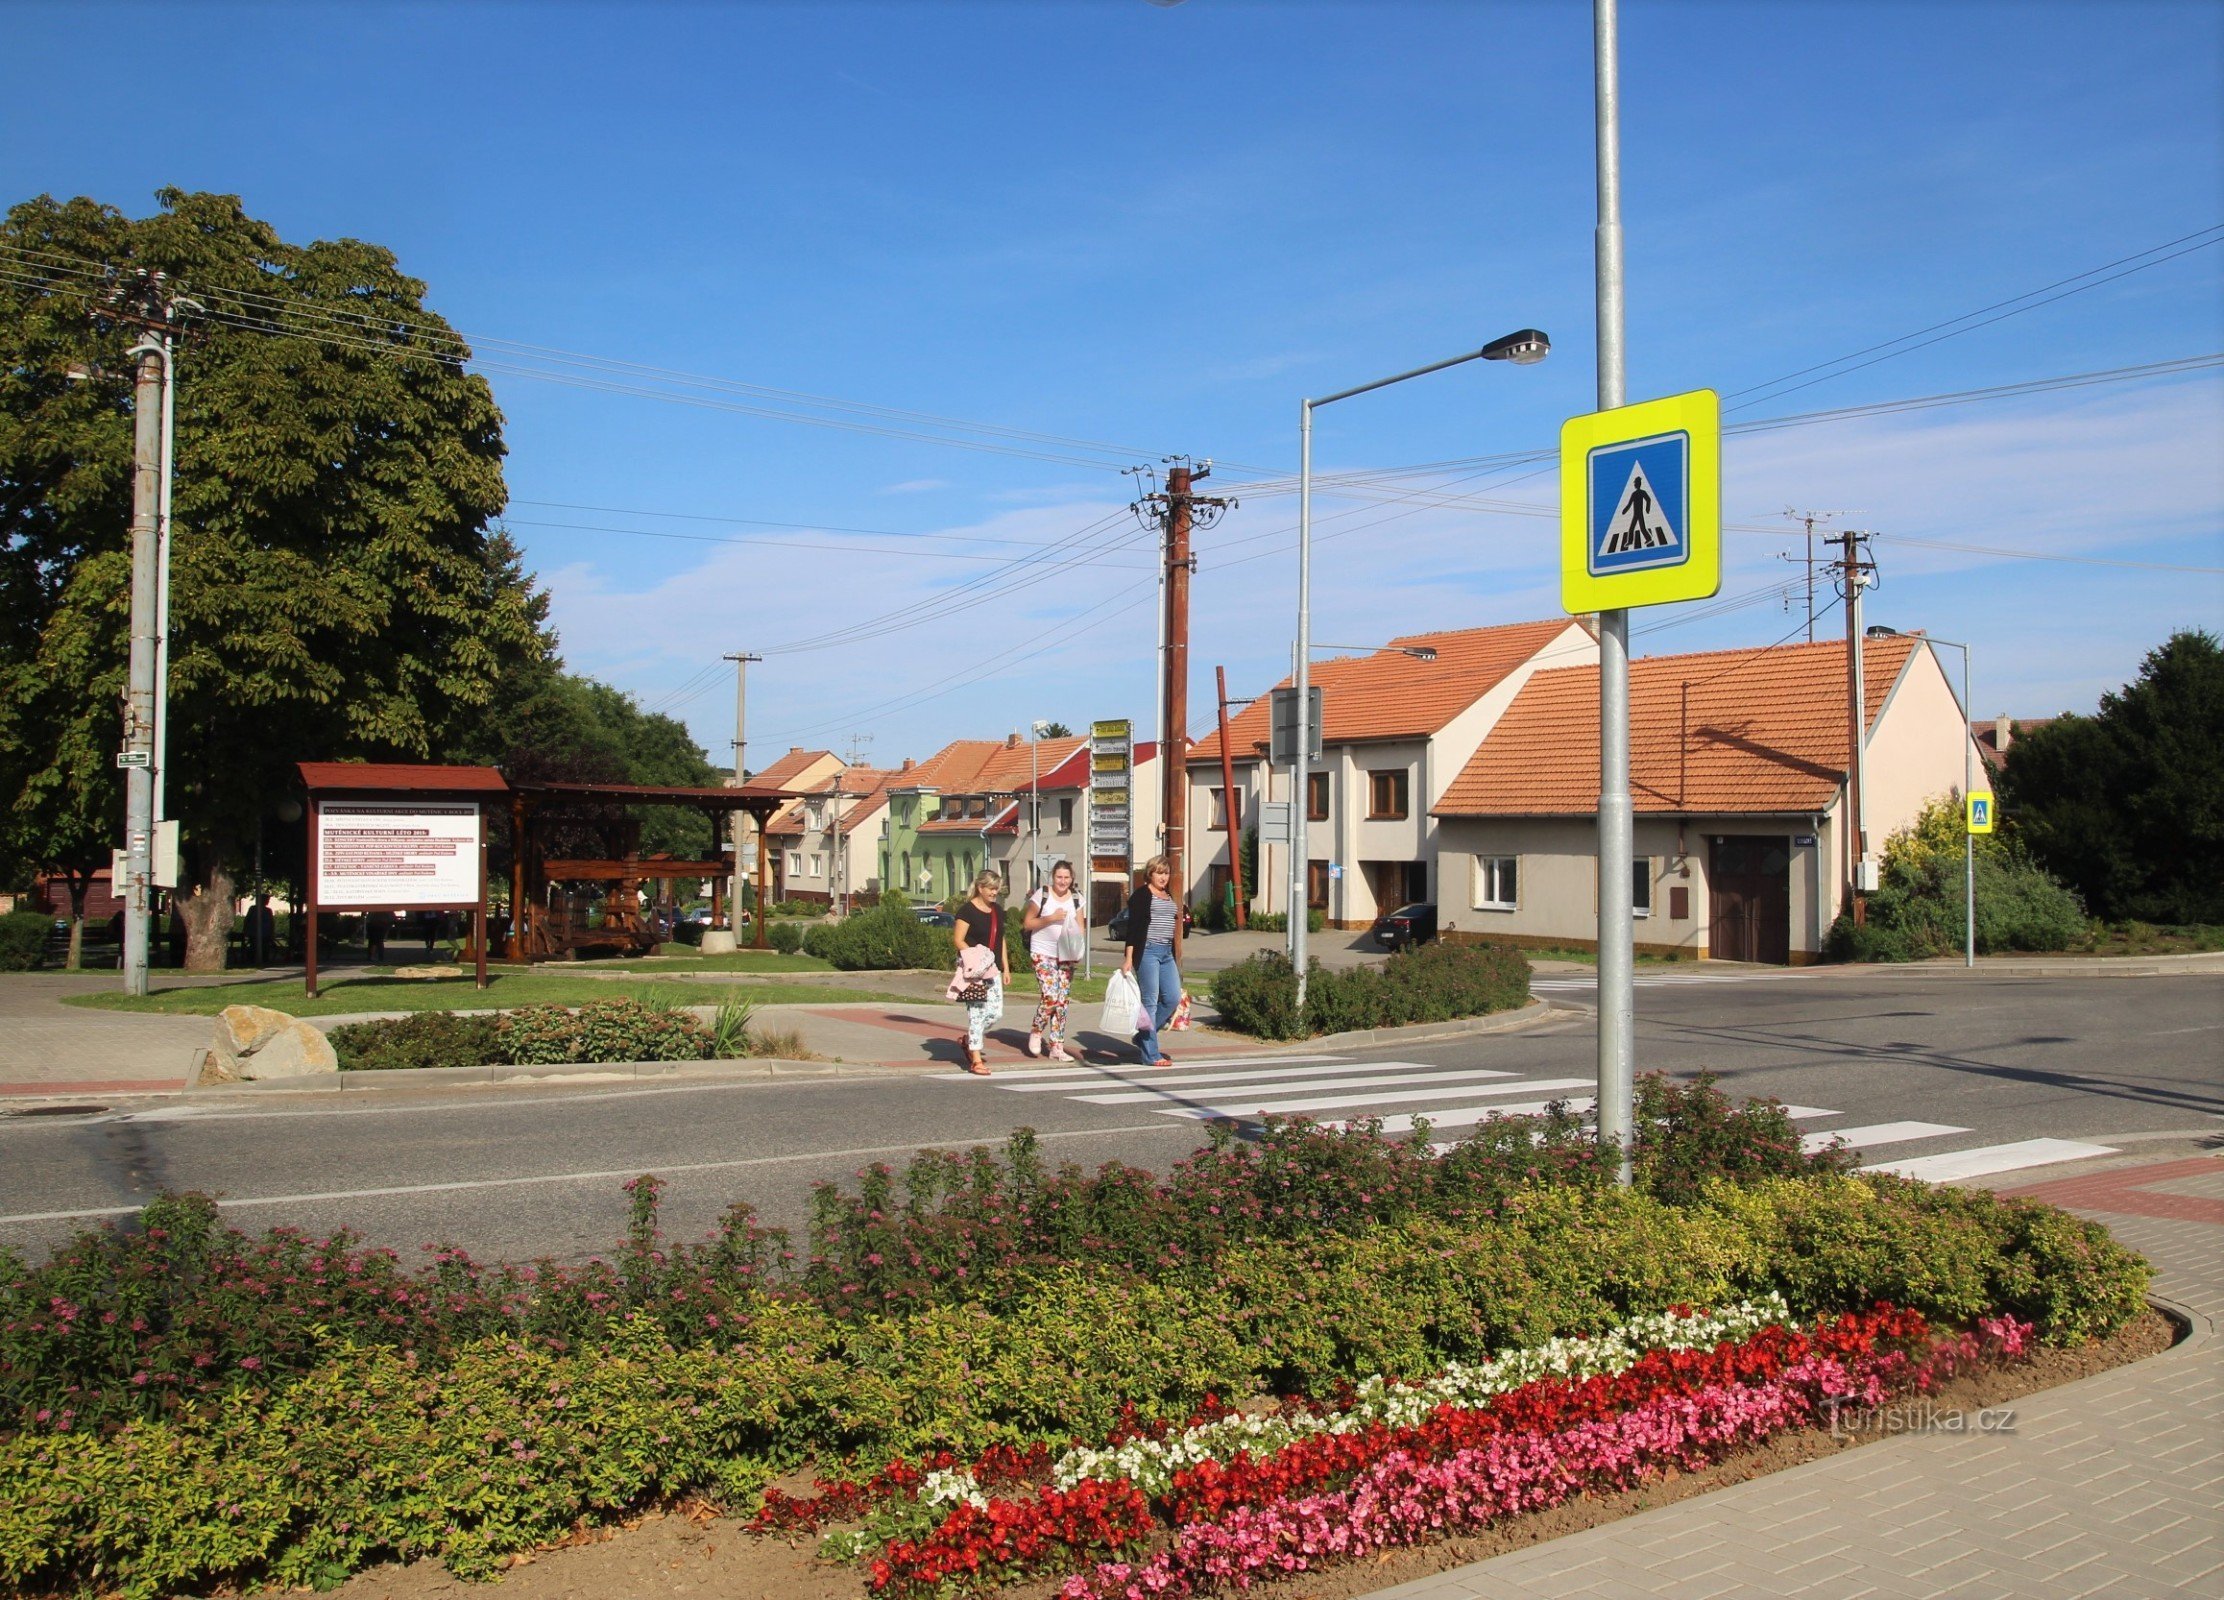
2127, 805
336, 590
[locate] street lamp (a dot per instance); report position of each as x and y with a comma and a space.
1038, 727
1524, 348
1968, 783
1419, 652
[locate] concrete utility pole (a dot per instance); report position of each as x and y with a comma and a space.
137, 758
1231, 811
1616, 954
741, 660
1809, 519
1854, 574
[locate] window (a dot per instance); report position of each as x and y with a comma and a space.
977, 806
1065, 816
818, 865
818, 813
1316, 885
1316, 797
795, 863
1219, 823
953, 807
1387, 794
1497, 883
1641, 886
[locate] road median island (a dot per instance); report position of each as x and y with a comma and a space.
1007, 1373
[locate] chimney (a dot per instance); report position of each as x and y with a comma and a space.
1011, 740
908, 765
2003, 729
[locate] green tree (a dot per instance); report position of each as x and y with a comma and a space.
2127, 806
1056, 730
335, 589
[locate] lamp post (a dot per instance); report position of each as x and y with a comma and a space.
1524, 348
1968, 784
1038, 728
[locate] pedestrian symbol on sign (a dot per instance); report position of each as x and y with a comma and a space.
1638, 522
1640, 504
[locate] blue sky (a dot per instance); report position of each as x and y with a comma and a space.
1154, 228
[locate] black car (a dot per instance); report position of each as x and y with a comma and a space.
934, 916
1406, 926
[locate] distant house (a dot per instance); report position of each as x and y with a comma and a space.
961, 808
813, 837
1396, 730
1738, 762
1995, 736
798, 770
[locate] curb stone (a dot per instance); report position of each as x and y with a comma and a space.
582, 1072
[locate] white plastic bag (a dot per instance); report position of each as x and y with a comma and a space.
1073, 941
1123, 999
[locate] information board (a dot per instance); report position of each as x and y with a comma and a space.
397, 855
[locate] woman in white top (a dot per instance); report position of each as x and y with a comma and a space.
1057, 937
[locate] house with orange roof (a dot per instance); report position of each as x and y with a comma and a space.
974, 803
1738, 777
815, 836
1397, 725
798, 770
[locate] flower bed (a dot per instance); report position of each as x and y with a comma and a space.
187, 1407
1229, 1499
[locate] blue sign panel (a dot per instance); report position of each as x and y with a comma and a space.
1640, 505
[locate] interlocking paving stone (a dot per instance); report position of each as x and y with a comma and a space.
2111, 1486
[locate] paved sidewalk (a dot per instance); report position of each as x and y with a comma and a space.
47, 1047
2113, 1486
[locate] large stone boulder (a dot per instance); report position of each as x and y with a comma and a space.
255, 1042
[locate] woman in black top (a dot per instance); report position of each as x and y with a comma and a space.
1152, 915
980, 926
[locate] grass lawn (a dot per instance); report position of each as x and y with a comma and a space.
2151, 939
684, 960
504, 989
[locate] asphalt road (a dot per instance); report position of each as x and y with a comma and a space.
1957, 1073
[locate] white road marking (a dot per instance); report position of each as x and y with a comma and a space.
1877, 1133
1283, 1086
1244, 1110
1465, 1116
1183, 1079
1991, 1158
1079, 1071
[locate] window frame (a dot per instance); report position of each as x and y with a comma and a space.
1400, 780
1487, 888
1641, 880
1316, 783
1216, 798
1065, 815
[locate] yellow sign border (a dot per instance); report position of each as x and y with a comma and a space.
1969, 811
1697, 414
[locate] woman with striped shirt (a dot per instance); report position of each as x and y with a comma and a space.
1152, 915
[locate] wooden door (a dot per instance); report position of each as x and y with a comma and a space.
1749, 880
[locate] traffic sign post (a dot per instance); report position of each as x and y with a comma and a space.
1641, 504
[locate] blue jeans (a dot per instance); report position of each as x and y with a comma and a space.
1161, 983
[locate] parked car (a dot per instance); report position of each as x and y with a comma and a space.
934, 916
1406, 926
1117, 927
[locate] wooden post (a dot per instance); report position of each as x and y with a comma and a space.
764, 885
309, 945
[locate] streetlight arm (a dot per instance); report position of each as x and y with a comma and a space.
1384, 383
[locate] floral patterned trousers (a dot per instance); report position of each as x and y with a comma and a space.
985, 1013
1055, 979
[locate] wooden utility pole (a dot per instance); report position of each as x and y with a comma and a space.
1853, 575
1178, 511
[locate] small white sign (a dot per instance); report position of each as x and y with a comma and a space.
397, 853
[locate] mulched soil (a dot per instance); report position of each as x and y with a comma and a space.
691, 1550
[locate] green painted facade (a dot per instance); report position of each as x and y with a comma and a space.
936, 867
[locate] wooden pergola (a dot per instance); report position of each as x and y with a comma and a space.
540, 930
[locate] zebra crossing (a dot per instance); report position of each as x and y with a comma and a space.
1401, 1094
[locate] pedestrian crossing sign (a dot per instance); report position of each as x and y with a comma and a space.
1982, 813
1640, 504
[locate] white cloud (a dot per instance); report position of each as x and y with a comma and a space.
916, 486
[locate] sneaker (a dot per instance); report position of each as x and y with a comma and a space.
1058, 1053
1034, 1045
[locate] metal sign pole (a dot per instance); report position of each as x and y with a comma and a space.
1616, 995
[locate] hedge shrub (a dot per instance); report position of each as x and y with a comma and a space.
427, 1039
883, 938
612, 1030
507, 1440
786, 937
1424, 983
23, 936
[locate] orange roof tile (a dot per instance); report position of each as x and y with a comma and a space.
982, 766
782, 773
1389, 695
1721, 731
